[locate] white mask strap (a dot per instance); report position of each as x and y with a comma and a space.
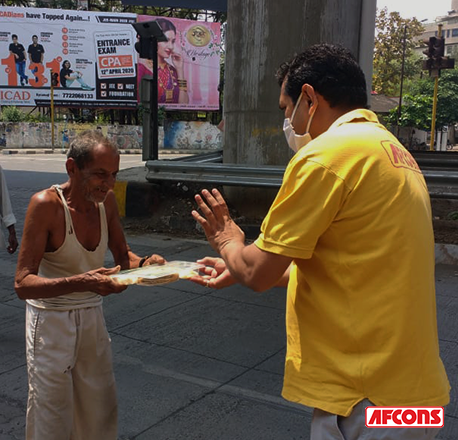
309, 123
295, 107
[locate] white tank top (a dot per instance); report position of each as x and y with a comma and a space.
72, 258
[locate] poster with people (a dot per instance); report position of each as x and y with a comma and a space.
91, 55
188, 64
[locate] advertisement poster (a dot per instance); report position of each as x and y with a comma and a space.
91, 55
188, 64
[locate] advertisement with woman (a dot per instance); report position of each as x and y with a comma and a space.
188, 64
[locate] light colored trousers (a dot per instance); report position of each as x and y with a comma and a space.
72, 393
327, 426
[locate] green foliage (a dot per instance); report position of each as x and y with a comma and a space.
37, 117
417, 105
453, 215
102, 118
389, 48
416, 112
12, 114
161, 115
57, 4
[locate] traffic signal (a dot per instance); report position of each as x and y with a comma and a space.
435, 53
430, 50
55, 79
438, 48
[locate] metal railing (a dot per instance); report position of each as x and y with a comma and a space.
440, 171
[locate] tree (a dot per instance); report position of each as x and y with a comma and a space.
417, 106
389, 49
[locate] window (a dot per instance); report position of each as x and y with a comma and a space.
455, 32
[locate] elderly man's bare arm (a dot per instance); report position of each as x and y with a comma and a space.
43, 232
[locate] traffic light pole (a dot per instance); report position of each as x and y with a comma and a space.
436, 86
433, 121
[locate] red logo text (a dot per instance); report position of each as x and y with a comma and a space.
402, 417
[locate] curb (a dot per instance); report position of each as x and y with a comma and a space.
58, 150
136, 199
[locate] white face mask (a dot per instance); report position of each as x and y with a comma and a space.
297, 141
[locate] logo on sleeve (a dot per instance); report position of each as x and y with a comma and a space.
400, 157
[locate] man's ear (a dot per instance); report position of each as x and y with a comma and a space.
71, 166
311, 97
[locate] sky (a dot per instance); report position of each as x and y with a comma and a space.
420, 9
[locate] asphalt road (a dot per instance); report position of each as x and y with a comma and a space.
191, 363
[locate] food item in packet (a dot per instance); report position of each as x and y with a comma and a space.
158, 273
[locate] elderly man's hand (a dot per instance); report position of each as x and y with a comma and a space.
153, 259
99, 281
215, 220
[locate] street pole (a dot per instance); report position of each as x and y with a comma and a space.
150, 34
52, 112
402, 78
154, 153
436, 86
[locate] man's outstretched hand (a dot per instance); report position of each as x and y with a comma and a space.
215, 275
216, 221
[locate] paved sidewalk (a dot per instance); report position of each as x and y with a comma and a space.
194, 363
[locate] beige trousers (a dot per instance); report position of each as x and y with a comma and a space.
72, 393
327, 426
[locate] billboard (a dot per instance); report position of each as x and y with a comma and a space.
188, 64
92, 54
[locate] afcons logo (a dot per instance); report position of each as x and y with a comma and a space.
404, 417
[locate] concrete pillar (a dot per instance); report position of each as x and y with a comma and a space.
261, 34
454, 5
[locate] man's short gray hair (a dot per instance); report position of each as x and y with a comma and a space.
82, 146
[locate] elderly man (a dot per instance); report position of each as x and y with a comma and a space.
350, 234
67, 230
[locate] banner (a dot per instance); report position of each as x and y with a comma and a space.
91, 55
188, 64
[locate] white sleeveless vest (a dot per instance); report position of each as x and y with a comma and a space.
72, 258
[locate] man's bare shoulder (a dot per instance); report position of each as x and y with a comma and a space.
45, 201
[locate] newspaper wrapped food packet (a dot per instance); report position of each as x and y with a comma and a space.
158, 273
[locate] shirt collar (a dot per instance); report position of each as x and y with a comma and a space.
351, 116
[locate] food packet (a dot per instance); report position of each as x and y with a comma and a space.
158, 273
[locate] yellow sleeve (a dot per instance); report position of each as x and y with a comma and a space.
306, 205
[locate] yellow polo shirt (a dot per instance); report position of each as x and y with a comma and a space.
354, 214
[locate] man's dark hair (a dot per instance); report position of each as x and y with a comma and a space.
14, 36
82, 146
331, 70
35, 36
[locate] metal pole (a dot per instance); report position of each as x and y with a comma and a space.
153, 104
433, 122
402, 78
151, 145
436, 86
52, 112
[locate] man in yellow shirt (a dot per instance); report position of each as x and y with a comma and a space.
350, 234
